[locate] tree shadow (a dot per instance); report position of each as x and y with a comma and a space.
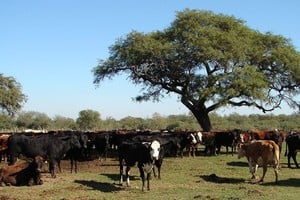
103, 187
217, 179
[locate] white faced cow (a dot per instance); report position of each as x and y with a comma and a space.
142, 153
261, 153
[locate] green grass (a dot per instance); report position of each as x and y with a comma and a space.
202, 177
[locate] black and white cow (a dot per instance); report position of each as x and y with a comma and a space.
142, 153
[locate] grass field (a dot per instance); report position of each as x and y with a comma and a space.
202, 177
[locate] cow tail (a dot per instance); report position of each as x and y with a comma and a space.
276, 152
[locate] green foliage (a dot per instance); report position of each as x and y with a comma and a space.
11, 96
60, 122
33, 120
88, 120
6, 122
209, 60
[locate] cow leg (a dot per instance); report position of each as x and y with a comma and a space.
121, 172
158, 170
154, 173
276, 170
294, 154
265, 167
72, 164
252, 168
52, 168
142, 175
58, 165
148, 180
289, 159
127, 176
75, 165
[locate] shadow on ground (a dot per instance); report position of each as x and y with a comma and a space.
217, 179
291, 182
238, 164
103, 187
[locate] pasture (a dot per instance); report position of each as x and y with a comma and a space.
202, 177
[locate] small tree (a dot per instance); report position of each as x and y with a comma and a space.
210, 61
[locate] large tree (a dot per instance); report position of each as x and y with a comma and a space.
11, 96
209, 60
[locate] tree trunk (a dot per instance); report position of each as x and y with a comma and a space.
200, 112
203, 119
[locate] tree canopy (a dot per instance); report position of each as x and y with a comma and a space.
88, 119
11, 96
209, 60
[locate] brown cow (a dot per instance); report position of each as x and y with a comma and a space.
208, 139
24, 173
274, 135
261, 153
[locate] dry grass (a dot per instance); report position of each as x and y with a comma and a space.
216, 177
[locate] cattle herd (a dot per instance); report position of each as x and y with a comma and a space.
26, 152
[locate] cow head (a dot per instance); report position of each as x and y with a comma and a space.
154, 149
83, 139
192, 138
75, 142
199, 137
38, 160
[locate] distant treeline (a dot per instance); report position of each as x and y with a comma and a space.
91, 120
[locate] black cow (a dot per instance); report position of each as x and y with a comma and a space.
293, 145
144, 154
102, 144
227, 139
75, 154
50, 147
175, 143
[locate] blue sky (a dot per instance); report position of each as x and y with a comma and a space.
50, 48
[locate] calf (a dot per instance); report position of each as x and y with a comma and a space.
293, 145
24, 173
261, 153
144, 154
